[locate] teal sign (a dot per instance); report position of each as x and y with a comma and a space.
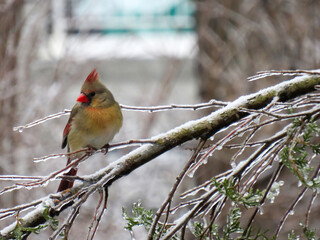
125, 16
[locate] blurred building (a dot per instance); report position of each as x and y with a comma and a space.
130, 16
163, 24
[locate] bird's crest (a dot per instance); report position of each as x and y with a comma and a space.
93, 76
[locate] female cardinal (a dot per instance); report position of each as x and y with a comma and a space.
93, 122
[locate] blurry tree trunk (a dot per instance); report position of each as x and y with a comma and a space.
238, 38
212, 58
10, 32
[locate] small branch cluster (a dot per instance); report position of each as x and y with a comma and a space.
286, 148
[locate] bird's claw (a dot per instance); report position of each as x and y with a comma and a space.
90, 150
105, 149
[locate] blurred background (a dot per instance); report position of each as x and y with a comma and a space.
147, 53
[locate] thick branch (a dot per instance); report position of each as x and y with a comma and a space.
209, 125
201, 128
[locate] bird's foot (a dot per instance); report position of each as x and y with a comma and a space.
90, 150
105, 149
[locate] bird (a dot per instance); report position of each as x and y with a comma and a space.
94, 121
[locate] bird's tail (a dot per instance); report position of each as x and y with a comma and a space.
66, 183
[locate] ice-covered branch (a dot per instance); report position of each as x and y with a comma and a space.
264, 74
202, 128
211, 103
41, 120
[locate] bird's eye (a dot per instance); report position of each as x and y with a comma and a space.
91, 94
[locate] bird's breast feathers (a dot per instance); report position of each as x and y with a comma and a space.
95, 127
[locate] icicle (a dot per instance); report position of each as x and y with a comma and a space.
219, 147
291, 212
260, 210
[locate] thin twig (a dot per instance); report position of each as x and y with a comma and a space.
214, 147
214, 217
15, 177
20, 207
41, 120
173, 190
132, 142
211, 103
314, 196
58, 155
95, 216
272, 180
295, 202
54, 174
269, 73
104, 207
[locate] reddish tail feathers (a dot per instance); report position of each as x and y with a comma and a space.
65, 184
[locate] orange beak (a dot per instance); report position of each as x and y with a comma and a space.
82, 98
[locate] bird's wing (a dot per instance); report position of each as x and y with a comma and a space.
67, 128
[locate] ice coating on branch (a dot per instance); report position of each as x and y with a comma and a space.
191, 126
274, 190
150, 150
42, 120
29, 217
